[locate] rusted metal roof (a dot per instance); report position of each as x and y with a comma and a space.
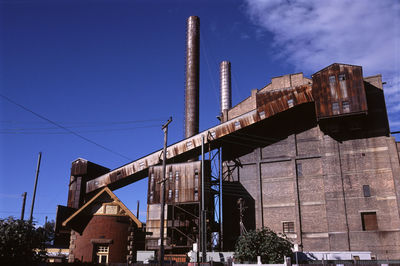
268, 104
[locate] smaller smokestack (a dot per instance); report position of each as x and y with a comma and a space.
226, 89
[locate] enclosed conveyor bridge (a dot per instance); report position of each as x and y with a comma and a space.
267, 104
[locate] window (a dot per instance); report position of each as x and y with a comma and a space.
196, 195
177, 179
288, 227
332, 86
369, 221
151, 196
102, 254
170, 194
196, 178
299, 169
343, 86
151, 179
335, 108
176, 194
346, 107
290, 103
237, 125
262, 114
170, 179
367, 191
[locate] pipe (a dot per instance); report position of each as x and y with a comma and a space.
192, 77
226, 89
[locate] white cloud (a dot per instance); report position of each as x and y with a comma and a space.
311, 34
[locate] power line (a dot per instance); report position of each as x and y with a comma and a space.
26, 131
64, 128
87, 124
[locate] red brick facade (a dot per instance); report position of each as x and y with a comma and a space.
105, 230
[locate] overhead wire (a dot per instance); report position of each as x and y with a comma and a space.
26, 132
64, 128
208, 64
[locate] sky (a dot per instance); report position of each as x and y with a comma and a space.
97, 79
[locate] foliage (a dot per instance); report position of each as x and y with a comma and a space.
49, 231
265, 243
20, 242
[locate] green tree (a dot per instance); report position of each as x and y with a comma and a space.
265, 243
20, 242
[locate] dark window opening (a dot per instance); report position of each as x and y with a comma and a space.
299, 169
343, 86
346, 107
288, 227
367, 191
369, 221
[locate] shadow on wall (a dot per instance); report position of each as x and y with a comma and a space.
232, 192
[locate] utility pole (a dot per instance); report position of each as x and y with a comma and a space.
137, 210
221, 217
162, 196
34, 189
23, 206
203, 212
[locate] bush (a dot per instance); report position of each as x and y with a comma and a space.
20, 242
265, 243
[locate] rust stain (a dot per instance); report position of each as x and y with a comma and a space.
269, 104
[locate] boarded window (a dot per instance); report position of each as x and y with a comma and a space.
332, 86
343, 86
367, 191
288, 227
369, 221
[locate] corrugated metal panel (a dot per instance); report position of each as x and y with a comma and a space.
183, 182
271, 104
339, 90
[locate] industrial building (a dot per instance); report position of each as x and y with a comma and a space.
312, 158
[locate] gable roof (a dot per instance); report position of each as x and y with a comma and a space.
81, 218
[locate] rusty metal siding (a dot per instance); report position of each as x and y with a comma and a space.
183, 184
82, 171
271, 103
336, 97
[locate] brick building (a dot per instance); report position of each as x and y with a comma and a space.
326, 173
309, 157
104, 231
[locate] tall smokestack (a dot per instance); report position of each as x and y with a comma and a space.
226, 89
192, 77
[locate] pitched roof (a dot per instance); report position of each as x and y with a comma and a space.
79, 219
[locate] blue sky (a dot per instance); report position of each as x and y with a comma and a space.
113, 72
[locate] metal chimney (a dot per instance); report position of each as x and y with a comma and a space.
192, 77
226, 89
